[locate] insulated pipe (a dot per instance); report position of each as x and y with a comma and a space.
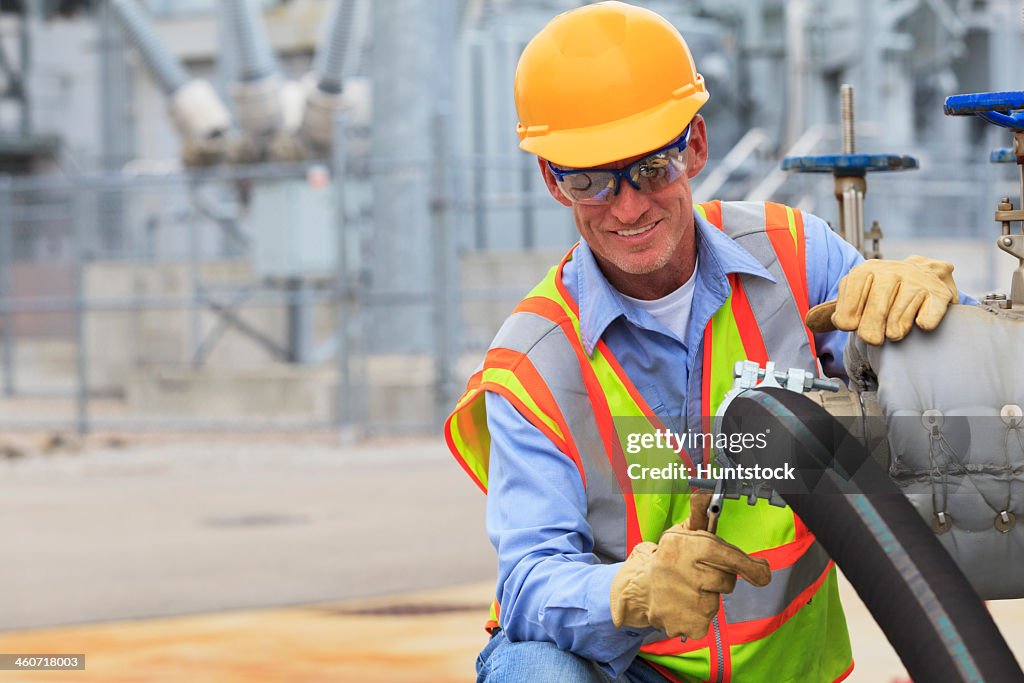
919, 597
164, 66
325, 85
197, 110
257, 93
332, 54
255, 57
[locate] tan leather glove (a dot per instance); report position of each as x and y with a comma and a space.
675, 585
883, 299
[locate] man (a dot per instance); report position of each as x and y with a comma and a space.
643, 319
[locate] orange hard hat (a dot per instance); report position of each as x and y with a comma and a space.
605, 82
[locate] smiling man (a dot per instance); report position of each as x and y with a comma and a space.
645, 318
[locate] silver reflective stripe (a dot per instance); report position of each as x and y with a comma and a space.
555, 361
742, 218
773, 304
749, 602
521, 331
558, 365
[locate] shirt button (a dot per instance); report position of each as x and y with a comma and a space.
632, 634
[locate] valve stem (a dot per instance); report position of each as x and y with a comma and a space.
846, 118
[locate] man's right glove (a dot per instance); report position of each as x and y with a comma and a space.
884, 299
675, 585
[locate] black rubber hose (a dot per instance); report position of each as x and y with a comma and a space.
924, 604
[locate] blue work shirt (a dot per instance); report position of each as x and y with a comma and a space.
551, 586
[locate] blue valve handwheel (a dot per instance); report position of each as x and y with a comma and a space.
1004, 109
849, 164
1003, 155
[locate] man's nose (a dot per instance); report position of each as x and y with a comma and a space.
629, 205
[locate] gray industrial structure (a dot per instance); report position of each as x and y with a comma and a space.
309, 214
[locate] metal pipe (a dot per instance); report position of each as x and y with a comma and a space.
6, 259
846, 118
336, 60
796, 59
444, 256
258, 91
81, 348
1018, 153
345, 305
25, 66
195, 107
852, 213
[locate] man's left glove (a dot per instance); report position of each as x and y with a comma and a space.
883, 299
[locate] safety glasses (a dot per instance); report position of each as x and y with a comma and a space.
655, 171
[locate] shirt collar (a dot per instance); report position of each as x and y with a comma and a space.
600, 303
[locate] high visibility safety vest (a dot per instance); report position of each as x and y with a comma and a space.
793, 629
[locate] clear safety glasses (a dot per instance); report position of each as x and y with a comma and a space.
655, 171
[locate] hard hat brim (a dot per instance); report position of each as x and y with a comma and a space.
617, 140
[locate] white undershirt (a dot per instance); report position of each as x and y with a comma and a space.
671, 310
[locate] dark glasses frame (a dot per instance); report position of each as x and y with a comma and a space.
619, 174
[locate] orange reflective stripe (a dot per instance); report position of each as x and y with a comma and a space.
799, 528
547, 308
787, 555
705, 388
494, 621
676, 646
455, 425
784, 226
459, 458
726, 661
845, 674
738, 633
712, 212
520, 364
750, 333
719, 357
787, 237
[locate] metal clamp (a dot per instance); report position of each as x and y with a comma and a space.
749, 375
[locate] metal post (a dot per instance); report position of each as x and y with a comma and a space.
344, 289
528, 171
796, 77
1018, 152
195, 332
444, 257
300, 320
6, 260
24, 66
78, 227
412, 79
479, 150
117, 124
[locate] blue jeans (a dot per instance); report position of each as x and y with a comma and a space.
503, 661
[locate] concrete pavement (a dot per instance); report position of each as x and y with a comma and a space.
273, 558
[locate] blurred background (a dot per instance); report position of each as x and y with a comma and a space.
251, 250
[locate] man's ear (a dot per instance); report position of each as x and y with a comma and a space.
697, 150
549, 181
